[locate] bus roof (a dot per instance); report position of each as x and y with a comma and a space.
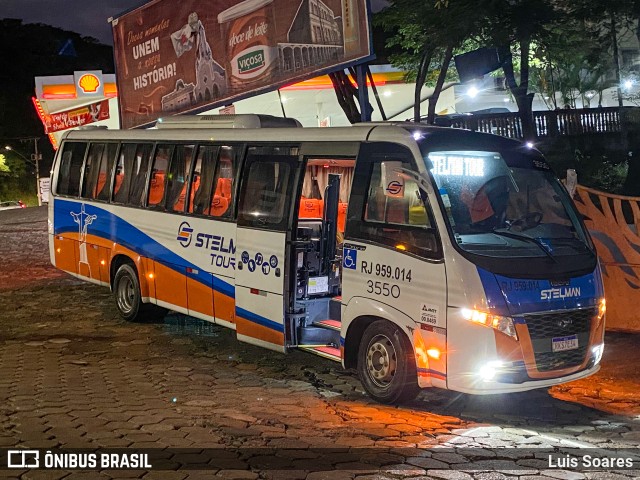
400, 132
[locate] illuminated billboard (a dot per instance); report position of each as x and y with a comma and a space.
176, 57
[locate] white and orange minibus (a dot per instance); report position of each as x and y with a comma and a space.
420, 256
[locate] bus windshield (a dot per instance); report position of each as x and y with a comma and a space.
506, 207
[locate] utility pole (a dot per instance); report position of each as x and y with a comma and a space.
36, 157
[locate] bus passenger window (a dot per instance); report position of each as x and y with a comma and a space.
159, 175
72, 157
139, 169
400, 218
97, 171
202, 180
177, 178
223, 195
103, 187
92, 170
264, 191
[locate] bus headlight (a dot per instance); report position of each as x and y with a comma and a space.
497, 322
597, 352
489, 370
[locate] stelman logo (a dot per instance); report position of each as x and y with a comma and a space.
251, 62
184, 234
394, 187
89, 83
555, 293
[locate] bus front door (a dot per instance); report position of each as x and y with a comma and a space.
269, 180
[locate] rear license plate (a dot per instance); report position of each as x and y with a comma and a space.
560, 344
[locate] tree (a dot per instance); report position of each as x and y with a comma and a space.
425, 33
571, 63
440, 27
514, 27
4, 168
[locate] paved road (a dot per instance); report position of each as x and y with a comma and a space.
73, 374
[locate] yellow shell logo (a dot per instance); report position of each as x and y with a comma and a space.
89, 83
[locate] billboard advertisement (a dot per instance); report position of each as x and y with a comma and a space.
175, 57
77, 117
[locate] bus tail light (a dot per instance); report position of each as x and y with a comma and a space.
497, 322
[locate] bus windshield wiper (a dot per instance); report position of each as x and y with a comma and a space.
527, 238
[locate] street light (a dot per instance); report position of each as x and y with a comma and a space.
34, 160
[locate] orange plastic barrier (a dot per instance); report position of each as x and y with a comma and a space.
617, 242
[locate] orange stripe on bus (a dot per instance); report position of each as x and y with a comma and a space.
259, 332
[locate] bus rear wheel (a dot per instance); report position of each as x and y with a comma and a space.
386, 364
126, 290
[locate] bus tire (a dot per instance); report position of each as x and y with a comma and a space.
126, 291
386, 364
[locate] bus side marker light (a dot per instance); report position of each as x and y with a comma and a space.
434, 353
151, 275
102, 262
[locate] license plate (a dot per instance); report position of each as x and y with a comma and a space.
560, 344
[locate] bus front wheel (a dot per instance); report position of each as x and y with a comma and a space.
126, 289
386, 364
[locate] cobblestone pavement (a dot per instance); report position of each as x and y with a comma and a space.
73, 374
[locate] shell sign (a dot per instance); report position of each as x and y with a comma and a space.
89, 83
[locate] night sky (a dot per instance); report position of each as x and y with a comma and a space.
87, 17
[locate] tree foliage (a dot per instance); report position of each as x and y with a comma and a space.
426, 33
546, 45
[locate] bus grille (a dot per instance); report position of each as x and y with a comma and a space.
555, 361
560, 323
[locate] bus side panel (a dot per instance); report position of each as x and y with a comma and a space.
388, 279
259, 329
224, 299
171, 285
469, 345
65, 253
200, 294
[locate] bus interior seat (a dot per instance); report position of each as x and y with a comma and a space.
397, 210
156, 189
219, 206
102, 181
310, 208
223, 187
342, 215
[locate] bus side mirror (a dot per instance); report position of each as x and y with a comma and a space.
392, 179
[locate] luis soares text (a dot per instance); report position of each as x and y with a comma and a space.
589, 461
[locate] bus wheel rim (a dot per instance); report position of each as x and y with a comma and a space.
126, 294
382, 360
